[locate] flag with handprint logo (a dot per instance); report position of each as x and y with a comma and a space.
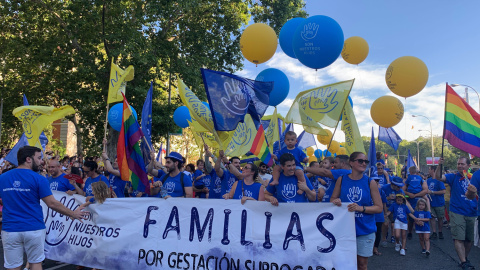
320, 105
118, 81
231, 97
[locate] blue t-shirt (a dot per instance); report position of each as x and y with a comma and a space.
286, 190
389, 191
339, 172
159, 177
400, 212
358, 191
329, 187
459, 204
174, 186
88, 184
228, 179
314, 181
380, 217
206, 182
437, 200
252, 190
198, 183
215, 186
426, 224
296, 152
414, 184
117, 185
383, 180
21, 191
60, 183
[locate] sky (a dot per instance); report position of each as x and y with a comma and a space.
443, 34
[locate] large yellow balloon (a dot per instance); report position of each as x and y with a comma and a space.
334, 146
387, 111
342, 151
355, 50
312, 158
406, 76
325, 139
310, 151
258, 43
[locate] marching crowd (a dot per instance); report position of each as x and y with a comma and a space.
387, 207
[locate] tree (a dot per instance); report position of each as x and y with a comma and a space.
59, 52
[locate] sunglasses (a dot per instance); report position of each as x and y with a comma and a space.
360, 161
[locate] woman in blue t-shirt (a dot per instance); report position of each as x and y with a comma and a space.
247, 188
363, 197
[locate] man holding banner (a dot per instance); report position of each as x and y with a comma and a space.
23, 226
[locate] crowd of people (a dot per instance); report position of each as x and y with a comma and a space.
387, 207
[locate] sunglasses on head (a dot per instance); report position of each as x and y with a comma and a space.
360, 161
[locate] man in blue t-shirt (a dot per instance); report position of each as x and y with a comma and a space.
57, 180
115, 182
90, 169
175, 183
227, 176
463, 207
23, 227
286, 190
437, 202
415, 188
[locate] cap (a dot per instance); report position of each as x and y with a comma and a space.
397, 181
175, 156
401, 196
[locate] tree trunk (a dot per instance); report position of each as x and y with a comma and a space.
112, 140
78, 131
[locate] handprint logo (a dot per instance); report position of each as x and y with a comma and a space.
431, 186
170, 187
289, 191
236, 100
248, 193
54, 185
465, 183
59, 225
309, 31
354, 194
400, 213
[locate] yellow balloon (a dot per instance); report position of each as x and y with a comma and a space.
312, 158
387, 111
325, 139
334, 146
355, 50
342, 151
406, 76
310, 151
258, 43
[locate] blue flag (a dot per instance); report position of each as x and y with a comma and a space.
231, 97
410, 162
389, 136
372, 156
276, 147
147, 125
305, 140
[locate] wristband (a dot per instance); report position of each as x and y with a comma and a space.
364, 209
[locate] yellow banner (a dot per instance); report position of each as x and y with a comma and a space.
242, 138
36, 118
272, 134
117, 82
353, 139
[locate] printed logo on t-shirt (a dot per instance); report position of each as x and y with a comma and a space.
170, 187
54, 186
464, 184
289, 191
247, 193
206, 181
230, 182
88, 190
400, 213
16, 184
354, 194
431, 186
218, 185
421, 216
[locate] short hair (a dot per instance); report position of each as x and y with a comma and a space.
191, 166
200, 160
262, 164
331, 159
232, 158
380, 164
433, 167
343, 158
76, 170
290, 133
92, 165
26, 151
412, 169
286, 157
312, 163
467, 160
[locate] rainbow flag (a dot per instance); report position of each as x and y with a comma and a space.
462, 123
129, 155
260, 147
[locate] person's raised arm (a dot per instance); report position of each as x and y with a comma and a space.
233, 170
438, 171
320, 172
150, 168
218, 163
108, 165
387, 177
208, 165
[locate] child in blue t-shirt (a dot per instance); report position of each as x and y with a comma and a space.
422, 225
100, 192
400, 211
300, 156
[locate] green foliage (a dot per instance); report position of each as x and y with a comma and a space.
59, 52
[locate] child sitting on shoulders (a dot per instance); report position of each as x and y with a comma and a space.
300, 156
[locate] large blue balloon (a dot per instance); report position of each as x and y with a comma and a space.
281, 85
318, 153
181, 116
286, 35
326, 153
115, 116
318, 41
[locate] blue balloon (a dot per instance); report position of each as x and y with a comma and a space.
318, 153
281, 85
181, 116
326, 153
115, 116
286, 35
318, 41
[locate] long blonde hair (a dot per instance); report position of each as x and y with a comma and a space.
100, 191
426, 205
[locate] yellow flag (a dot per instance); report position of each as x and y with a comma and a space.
201, 137
272, 134
321, 105
117, 83
353, 139
36, 118
198, 111
196, 126
242, 138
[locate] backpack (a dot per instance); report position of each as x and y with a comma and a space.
164, 178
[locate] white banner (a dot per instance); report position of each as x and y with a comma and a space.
153, 233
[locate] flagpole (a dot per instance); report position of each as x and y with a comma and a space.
338, 121
443, 135
105, 126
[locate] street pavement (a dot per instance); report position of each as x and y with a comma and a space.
442, 256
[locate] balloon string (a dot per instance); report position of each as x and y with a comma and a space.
404, 114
